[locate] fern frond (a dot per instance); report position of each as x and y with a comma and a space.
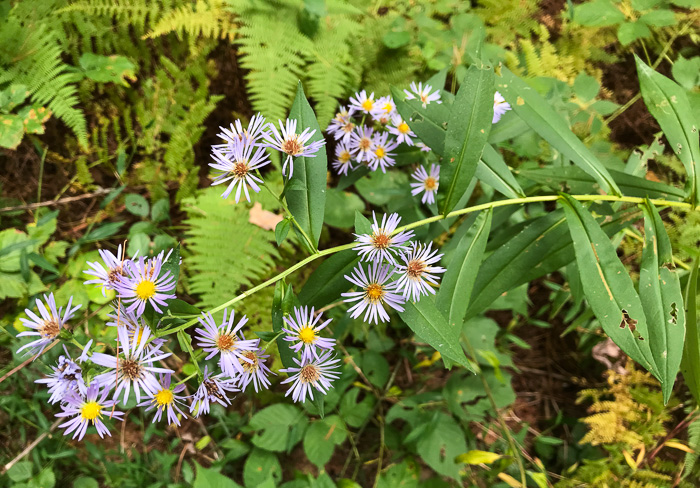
204, 18
136, 12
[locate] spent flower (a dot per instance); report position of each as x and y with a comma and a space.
314, 374
48, 326
238, 167
213, 388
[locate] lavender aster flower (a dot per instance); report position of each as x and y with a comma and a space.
377, 290
362, 102
423, 147
303, 330
500, 107
146, 285
135, 365
401, 130
237, 166
48, 326
313, 374
110, 276
427, 183
342, 125
423, 94
383, 110
381, 155
249, 136
361, 143
212, 389
89, 409
222, 340
381, 244
417, 273
166, 400
292, 144
343, 159
66, 376
254, 369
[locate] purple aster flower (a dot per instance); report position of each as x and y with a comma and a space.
212, 389
223, 340
423, 94
292, 144
66, 376
237, 166
313, 374
427, 183
383, 110
86, 410
381, 155
135, 365
165, 399
111, 274
343, 159
362, 102
376, 290
254, 369
144, 284
500, 106
48, 326
303, 330
249, 136
361, 143
381, 244
417, 273
342, 125
401, 130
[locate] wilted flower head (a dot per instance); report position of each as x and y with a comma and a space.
401, 130
375, 291
254, 369
381, 155
211, 389
165, 399
303, 330
423, 94
500, 107
238, 167
86, 410
362, 102
381, 244
111, 273
66, 376
48, 326
224, 341
312, 374
417, 271
144, 284
292, 144
427, 183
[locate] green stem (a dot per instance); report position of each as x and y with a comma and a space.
429, 220
282, 202
274, 339
188, 378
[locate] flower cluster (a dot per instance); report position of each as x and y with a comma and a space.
397, 270
238, 160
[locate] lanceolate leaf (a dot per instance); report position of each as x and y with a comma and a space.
457, 283
280, 306
467, 132
494, 171
690, 366
660, 292
607, 286
669, 105
429, 123
328, 281
541, 247
308, 205
430, 324
542, 118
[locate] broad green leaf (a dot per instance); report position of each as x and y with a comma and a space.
260, 465
440, 444
541, 117
659, 18
598, 13
478, 457
273, 425
11, 130
108, 69
690, 365
607, 286
568, 177
328, 281
456, 286
14, 95
426, 321
660, 292
281, 231
631, 31
543, 246
321, 438
494, 171
687, 72
278, 312
429, 123
669, 105
467, 132
308, 205
136, 204
341, 207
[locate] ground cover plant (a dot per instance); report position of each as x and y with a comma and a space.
349, 243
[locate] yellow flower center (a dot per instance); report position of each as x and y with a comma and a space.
403, 128
388, 108
368, 104
164, 397
90, 411
307, 335
344, 157
430, 183
374, 292
145, 290
380, 152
